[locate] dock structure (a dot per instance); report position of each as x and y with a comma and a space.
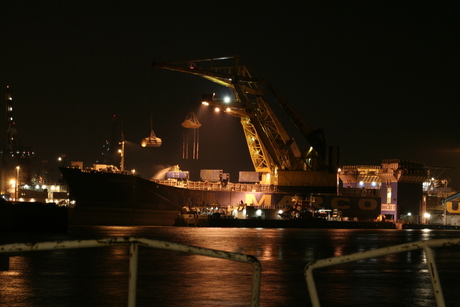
398, 182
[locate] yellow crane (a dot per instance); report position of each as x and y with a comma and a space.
271, 148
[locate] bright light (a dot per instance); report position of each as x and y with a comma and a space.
361, 183
409, 214
37, 187
227, 99
217, 109
259, 212
205, 103
280, 211
228, 109
427, 215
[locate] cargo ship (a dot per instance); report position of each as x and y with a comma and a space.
110, 197
285, 180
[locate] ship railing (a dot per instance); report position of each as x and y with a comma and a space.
134, 244
217, 186
427, 246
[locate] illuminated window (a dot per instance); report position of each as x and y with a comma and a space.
388, 195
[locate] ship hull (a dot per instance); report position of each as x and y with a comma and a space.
117, 199
104, 198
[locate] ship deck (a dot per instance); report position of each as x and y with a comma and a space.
218, 186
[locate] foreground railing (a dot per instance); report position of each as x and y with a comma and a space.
133, 256
425, 245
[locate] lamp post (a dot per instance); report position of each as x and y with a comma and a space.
17, 183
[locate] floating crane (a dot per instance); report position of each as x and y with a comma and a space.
271, 148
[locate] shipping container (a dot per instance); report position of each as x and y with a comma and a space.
212, 175
249, 177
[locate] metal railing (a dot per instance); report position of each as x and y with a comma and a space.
134, 243
217, 186
425, 245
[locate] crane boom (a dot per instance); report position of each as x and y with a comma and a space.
271, 147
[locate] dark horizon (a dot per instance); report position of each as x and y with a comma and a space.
379, 78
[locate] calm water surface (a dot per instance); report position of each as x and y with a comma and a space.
99, 276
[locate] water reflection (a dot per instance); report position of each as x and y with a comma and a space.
99, 276
15, 286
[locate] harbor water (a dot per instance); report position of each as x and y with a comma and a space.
99, 276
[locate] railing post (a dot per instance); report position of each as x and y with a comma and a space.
311, 285
435, 281
256, 282
133, 253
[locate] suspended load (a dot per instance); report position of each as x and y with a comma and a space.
152, 140
191, 122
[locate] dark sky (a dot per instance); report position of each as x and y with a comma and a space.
380, 77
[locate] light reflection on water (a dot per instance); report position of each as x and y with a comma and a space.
99, 276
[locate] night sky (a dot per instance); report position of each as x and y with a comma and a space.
380, 77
